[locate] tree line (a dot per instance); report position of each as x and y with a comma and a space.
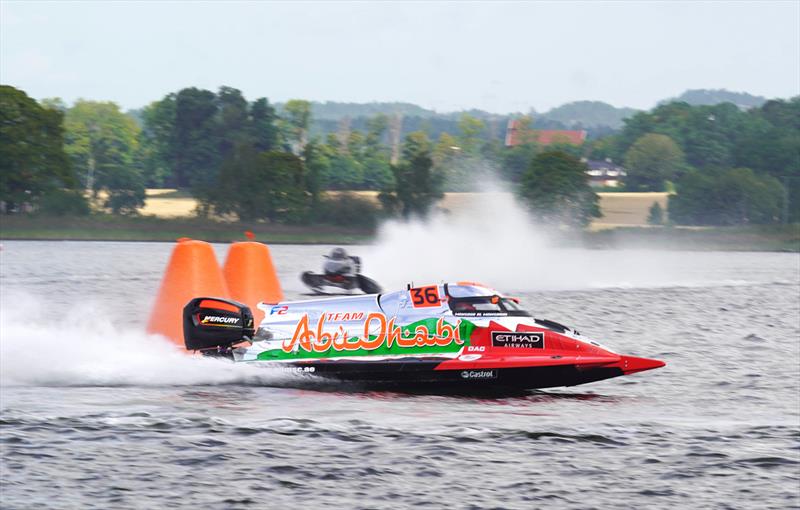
233, 156
253, 160
722, 165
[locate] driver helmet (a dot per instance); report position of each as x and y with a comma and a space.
463, 307
338, 254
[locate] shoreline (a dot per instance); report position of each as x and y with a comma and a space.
152, 229
775, 238
763, 238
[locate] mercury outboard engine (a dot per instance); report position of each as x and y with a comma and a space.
215, 323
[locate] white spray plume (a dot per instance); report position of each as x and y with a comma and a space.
489, 238
486, 239
83, 347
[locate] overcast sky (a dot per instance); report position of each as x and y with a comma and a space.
496, 56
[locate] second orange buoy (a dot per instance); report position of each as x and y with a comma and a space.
251, 276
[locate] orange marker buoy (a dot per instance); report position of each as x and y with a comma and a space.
192, 271
251, 276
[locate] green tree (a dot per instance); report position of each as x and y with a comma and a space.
516, 161
770, 144
765, 139
196, 147
709, 133
469, 129
264, 130
102, 143
417, 187
345, 172
316, 164
561, 144
33, 163
376, 128
268, 185
377, 172
54, 103
555, 188
669, 120
602, 148
186, 135
233, 123
459, 169
492, 152
360, 161
447, 159
156, 153
297, 114
652, 160
726, 197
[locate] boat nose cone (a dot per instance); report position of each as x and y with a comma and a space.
632, 364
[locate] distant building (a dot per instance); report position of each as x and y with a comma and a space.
604, 174
601, 173
517, 135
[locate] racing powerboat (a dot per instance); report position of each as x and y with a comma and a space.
447, 335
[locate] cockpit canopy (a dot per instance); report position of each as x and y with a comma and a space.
477, 300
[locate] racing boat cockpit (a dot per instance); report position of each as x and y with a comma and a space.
479, 301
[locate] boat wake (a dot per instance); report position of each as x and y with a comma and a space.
85, 346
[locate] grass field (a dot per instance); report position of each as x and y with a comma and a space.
627, 209
168, 203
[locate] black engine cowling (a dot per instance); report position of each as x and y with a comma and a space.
214, 322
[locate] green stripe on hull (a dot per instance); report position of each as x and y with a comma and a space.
408, 331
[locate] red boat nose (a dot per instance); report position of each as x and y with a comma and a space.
632, 364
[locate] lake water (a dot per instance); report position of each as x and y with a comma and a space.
97, 414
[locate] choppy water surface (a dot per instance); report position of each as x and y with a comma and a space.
96, 414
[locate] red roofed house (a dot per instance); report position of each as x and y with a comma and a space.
517, 134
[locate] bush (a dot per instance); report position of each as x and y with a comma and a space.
347, 209
656, 216
125, 187
124, 201
63, 202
